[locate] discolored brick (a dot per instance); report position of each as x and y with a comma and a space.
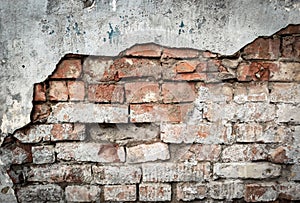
69, 68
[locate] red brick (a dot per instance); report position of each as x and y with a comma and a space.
39, 92
159, 112
261, 192
67, 131
184, 67
180, 53
191, 77
40, 112
208, 54
262, 48
144, 50
178, 92
279, 154
82, 193
140, 92
58, 91
203, 152
291, 29
70, 68
255, 71
76, 90
285, 72
154, 192
106, 93
291, 47
21, 154
120, 193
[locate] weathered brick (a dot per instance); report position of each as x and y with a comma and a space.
255, 71
43, 154
262, 48
221, 92
230, 63
82, 193
285, 92
159, 112
94, 152
190, 191
97, 69
185, 67
262, 192
200, 152
280, 155
208, 54
291, 47
70, 68
247, 112
58, 91
178, 92
247, 170
175, 172
60, 173
40, 193
191, 77
140, 92
206, 133
285, 72
51, 132
288, 113
106, 93
255, 132
88, 113
154, 192
39, 92
120, 192
180, 53
124, 133
240, 152
295, 172
116, 174
289, 190
290, 29
148, 152
40, 112
250, 92
228, 189
76, 90
143, 50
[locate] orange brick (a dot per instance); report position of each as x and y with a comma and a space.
76, 90
145, 50
139, 92
70, 68
58, 91
180, 53
106, 93
39, 92
256, 71
184, 67
291, 47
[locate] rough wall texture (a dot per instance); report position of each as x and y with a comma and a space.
164, 124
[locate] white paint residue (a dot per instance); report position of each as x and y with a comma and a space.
114, 5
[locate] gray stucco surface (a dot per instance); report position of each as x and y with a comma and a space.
35, 34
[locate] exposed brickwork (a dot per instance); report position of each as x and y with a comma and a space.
165, 124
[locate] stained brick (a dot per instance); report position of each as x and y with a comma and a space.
228, 189
178, 92
262, 48
106, 93
21, 154
58, 91
253, 152
97, 69
40, 112
120, 193
291, 47
190, 191
143, 50
289, 190
185, 67
288, 113
280, 155
51, 132
207, 133
76, 90
295, 172
214, 92
140, 92
40, 193
286, 71
43, 154
285, 92
116, 174
88, 113
255, 71
253, 92
82, 193
70, 68
175, 172
93, 152
261, 192
154, 192
180, 53
60, 173
148, 152
201, 152
290, 29
159, 112
39, 92
246, 170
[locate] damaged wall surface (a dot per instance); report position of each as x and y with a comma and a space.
164, 124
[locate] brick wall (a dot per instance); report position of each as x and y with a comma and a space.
165, 124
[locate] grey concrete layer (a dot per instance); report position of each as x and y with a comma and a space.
35, 34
